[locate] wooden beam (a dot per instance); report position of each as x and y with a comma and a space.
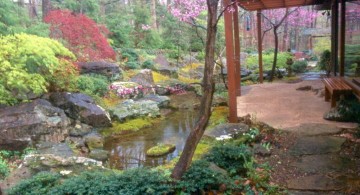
334, 36
229, 42
342, 38
261, 77
237, 50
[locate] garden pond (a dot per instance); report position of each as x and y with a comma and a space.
129, 151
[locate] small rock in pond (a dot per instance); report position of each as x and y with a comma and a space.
94, 141
160, 150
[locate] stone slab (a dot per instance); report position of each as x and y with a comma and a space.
317, 145
313, 129
315, 182
323, 163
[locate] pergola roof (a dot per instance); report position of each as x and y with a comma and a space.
252, 5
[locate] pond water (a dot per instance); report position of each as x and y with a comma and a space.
129, 151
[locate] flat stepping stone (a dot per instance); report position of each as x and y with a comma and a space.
313, 129
317, 145
323, 163
316, 182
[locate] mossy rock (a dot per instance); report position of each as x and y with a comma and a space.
160, 150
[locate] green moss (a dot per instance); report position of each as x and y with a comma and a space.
160, 150
218, 116
201, 149
159, 77
130, 125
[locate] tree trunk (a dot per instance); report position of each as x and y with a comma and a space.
21, 3
208, 90
46, 7
275, 53
285, 36
32, 9
153, 15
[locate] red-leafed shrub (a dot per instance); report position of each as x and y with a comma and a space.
85, 38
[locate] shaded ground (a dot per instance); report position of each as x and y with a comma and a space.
309, 154
311, 163
283, 107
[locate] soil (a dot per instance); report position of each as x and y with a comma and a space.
329, 178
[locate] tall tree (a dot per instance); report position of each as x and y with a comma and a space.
186, 11
46, 7
153, 15
275, 18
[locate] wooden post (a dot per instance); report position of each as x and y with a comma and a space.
342, 38
334, 35
237, 50
229, 41
261, 77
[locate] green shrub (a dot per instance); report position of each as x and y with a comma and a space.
252, 62
299, 66
200, 177
41, 183
350, 110
325, 61
149, 64
93, 84
130, 54
31, 64
136, 181
230, 157
132, 65
4, 169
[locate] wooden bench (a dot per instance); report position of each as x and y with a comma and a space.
334, 87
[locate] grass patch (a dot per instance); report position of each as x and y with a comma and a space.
111, 100
160, 150
159, 77
191, 66
188, 80
129, 125
218, 116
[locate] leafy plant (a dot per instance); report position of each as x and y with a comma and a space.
349, 109
93, 84
324, 63
299, 66
136, 181
4, 168
230, 157
81, 35
148, 64
33, 65
132, 65
252, 62
41, 183
200, 177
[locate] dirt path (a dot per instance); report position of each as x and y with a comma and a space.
317, 159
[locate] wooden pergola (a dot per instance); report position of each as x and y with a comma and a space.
232, 39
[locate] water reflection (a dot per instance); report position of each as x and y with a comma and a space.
129, 151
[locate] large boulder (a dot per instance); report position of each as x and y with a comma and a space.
164, 67
144, 78
133, 109
161, 101
37, 120
81, 107
110, 70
